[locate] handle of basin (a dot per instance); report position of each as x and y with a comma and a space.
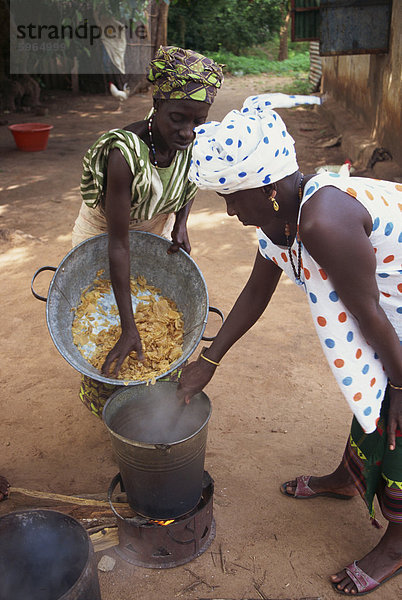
165, 448
218, 312
35, 276
116, 479
138, 520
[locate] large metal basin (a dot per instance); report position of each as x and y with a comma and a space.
177, 276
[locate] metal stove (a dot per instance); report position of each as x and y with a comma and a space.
153, 544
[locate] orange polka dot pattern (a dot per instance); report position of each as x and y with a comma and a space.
356, 367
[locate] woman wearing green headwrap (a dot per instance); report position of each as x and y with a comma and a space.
136, 178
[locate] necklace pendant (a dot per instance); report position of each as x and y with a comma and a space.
301, 284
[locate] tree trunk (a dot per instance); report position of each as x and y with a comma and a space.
161, 29
283, 36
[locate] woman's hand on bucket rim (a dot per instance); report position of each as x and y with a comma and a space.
194, 377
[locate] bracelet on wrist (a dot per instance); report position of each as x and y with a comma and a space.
213, 362
394, 387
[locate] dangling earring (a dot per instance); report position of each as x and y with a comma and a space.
274, 202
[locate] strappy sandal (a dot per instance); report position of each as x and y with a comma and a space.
363, 582
304, 491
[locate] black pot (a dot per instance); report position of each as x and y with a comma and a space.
46, 555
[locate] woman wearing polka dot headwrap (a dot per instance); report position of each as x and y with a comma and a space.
340, 239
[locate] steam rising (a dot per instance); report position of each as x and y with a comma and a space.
156, 415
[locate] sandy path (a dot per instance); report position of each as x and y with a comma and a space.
50, 442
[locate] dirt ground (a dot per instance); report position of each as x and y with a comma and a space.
273, 547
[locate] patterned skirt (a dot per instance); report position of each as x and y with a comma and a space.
376, 470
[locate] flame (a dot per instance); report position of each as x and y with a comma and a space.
164, 523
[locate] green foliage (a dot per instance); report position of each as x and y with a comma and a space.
257, 60
298, 62
269, 50
233, 25
299, 85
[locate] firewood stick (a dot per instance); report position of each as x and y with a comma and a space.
63, 498
90, 517
80, 512
104, 539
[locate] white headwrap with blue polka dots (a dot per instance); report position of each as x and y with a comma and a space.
248, 149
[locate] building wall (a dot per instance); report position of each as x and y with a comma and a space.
370, 86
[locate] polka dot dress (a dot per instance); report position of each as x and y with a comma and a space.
355, 365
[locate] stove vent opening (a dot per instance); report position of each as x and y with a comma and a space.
162, 552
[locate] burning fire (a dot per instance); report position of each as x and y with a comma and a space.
164, 523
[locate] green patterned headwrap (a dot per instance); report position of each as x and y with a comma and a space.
179, 74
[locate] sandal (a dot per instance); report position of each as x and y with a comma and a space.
303, 490
363, 582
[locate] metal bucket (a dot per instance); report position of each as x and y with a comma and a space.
46, 555
176, 275
159, 443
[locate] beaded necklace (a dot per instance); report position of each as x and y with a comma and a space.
287, 234
151, 139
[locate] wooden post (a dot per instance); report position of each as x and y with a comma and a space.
161, 28
283, 32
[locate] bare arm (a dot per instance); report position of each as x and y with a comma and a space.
335, 229
246, 311
118, 206
180, 237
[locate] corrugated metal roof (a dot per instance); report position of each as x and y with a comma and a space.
315, 66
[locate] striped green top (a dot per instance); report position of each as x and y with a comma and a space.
154, 190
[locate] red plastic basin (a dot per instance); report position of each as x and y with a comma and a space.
31, 137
